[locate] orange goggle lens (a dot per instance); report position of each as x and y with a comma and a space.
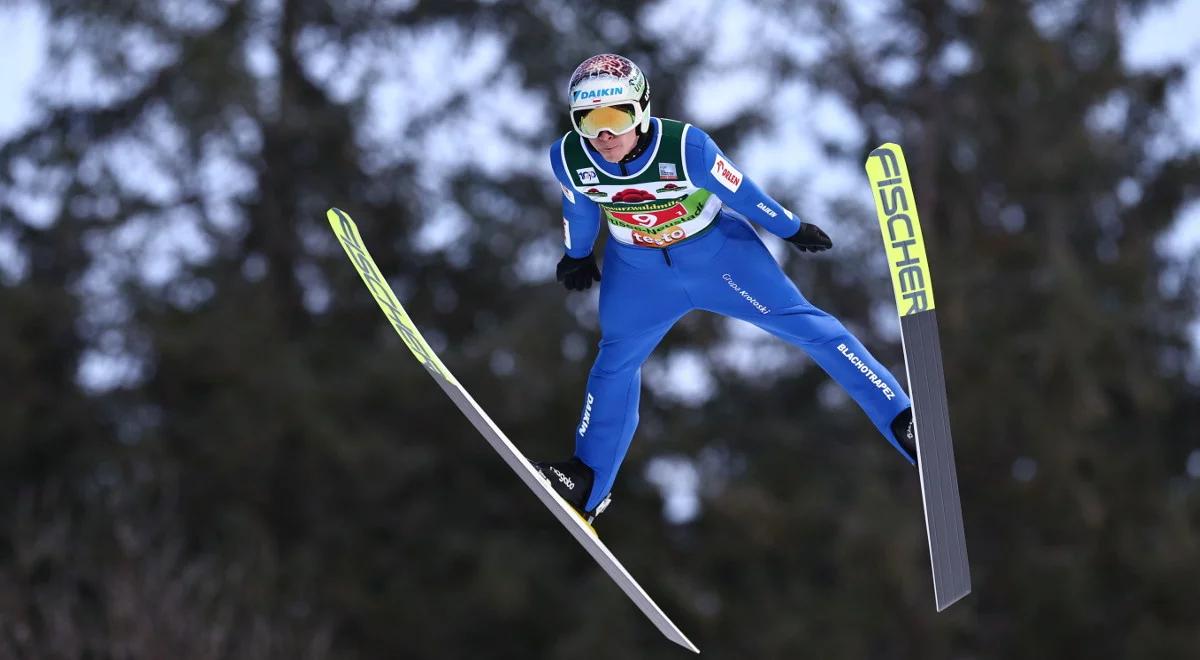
617, 119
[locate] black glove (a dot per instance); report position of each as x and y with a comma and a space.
577, 274
810, 238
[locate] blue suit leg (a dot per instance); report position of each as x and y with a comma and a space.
638, 305
749, 285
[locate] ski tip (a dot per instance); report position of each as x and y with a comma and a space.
884, 153
886, 146
342, 224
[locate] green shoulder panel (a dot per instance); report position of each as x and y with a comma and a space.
672, 130
670, 151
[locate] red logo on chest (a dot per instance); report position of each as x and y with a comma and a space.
633, 196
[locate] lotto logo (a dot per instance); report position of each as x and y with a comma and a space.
660, 240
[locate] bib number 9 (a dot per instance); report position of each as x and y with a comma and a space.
650, 218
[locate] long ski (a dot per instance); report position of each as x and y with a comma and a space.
897, 210
347, 234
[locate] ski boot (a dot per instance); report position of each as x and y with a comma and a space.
906, 435
572, 480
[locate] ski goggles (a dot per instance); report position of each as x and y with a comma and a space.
616, 119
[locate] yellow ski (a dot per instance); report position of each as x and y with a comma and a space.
347, 234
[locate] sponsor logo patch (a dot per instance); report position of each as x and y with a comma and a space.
789, 214
658, 240
566, 233
766, 209
667, 172
727, 174
567, 193
867, 372
653, 215
595, 192
587, 175
587, 415
906, 250
762, 309
596, 94
563, 479
671, 187
633, 196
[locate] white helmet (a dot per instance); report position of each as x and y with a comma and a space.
616, 84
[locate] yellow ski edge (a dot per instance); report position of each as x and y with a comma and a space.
351, 241
896, 208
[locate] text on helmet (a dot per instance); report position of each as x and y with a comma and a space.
583, 95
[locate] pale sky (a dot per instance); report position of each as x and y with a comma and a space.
1162, 35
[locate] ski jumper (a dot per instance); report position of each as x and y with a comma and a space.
677, 247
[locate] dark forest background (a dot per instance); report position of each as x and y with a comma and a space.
212, 445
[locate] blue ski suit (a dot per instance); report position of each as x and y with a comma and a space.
666, 258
